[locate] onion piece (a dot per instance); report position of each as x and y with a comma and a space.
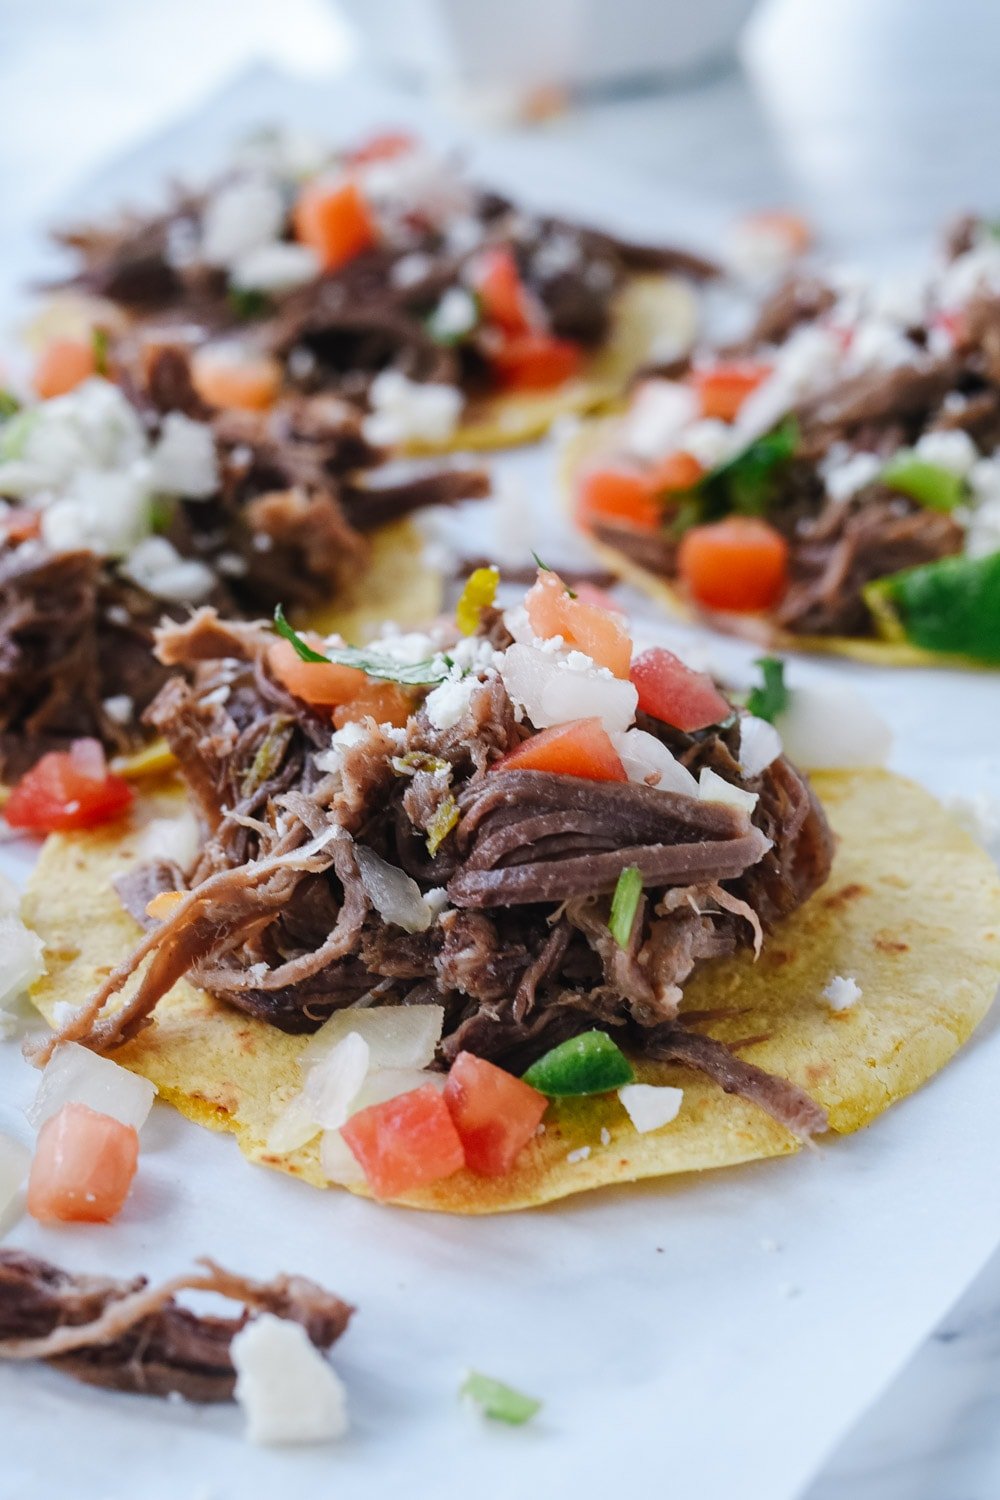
398, 1036
15, 1161
760, 744
332, 1083
22, 964
395, 896
715, 788
77, 1076
833, 728
557, 689
648, 761
650, 1106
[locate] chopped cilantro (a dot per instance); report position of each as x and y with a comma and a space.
99, 345
9, 405
770, 698
746, 483
248, 303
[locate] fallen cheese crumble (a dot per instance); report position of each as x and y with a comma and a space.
289, 1392
842, 994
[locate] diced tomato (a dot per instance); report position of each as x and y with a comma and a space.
334, 220
495, 1114
501, 291
596, 632
321, 683
62, 366
581, 748
677, 472
618, 493
739, 564
406, 1142
385, 146
792, 228
83, 1167
385, 702
68, 789
536, 362
671, 692
21, 525
235, 378
722, 389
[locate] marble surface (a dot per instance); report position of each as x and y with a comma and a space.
878, 117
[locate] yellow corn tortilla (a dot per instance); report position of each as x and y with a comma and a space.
911, 911
597, 437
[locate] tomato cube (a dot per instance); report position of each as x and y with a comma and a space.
334, 220
674, 694
739, 564
68, 789
552, 610
581, 748
405, 1143
495, 1114
83, 1167
536, 362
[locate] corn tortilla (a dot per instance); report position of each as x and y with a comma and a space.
595, 438
911, 911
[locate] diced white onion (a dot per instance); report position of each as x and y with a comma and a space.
276, 267
648, 761
650, 1106
294, 1128
156, 566
833, 727
183, 460
659, 412
556, 690
398, 1036
15, 1160
288, 1391
760, 744
77, 1076
238, 218
333, 1083
338, 1160
715, 788
395, 896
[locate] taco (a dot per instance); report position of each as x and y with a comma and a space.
117, 509
580, 880
831, 484
381, 275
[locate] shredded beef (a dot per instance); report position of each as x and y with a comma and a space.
277, 921
129, 1336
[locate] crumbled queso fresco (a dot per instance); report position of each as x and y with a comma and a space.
842, 994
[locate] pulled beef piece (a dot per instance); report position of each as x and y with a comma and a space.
71, 637
129, 1336
850, 545
800, 299
278, 921
906, 394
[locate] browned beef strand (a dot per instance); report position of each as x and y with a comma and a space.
128, 1336
278, 922
800, 299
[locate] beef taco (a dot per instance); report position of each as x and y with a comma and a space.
381, 275
832, 484
550, 914
117, 509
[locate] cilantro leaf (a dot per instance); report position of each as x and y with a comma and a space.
771, 697
413, 674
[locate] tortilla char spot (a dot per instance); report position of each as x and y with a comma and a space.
886, 943
847, 893
817, 1072
778, 957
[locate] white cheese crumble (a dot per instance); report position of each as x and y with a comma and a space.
119, 708
449, 702
950, 449
715, 788
844, 477
842, 994
658, 415
288, 1391
650, 1106
580, 1154
238, 218
455, 315
156, 565
981, 516
605, 1136
711, 442
183, 460
404, 410
276, 267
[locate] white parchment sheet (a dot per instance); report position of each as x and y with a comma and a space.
709, 1337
